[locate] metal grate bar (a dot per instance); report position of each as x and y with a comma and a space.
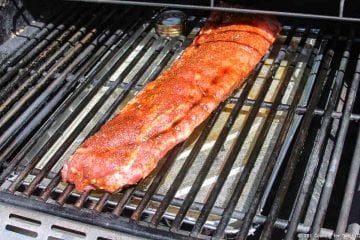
74, 134
295, 154
39, 93
156, 181
300, 110
44, 171
46, 66
257, 146
19, 84
311, 70
118, 35
224, 133
186, 166
238, 215
120, 206
162, 166
28, 169
349, 190
309, 216
22, 135
82, 199
289, 54
164, 60
100, 205
244, 227
65, 194
55, 181
49, 188
336, 157
63, 76
36, 51
56, 19
106, 116
135, 79
319, 146
162, 170
37, 74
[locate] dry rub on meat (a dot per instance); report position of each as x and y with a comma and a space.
129, 146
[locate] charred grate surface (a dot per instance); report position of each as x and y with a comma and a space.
265, 162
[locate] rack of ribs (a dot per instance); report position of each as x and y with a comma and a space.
129, 146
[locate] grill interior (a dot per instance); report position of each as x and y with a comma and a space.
278, 159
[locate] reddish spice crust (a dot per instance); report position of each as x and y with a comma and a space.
129, 146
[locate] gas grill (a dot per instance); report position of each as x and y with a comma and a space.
279, 159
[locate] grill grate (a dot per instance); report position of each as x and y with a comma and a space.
265, 161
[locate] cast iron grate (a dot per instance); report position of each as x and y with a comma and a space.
265, 161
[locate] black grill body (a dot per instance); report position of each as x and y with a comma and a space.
279, 159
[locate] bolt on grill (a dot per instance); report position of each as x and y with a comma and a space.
265, 162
